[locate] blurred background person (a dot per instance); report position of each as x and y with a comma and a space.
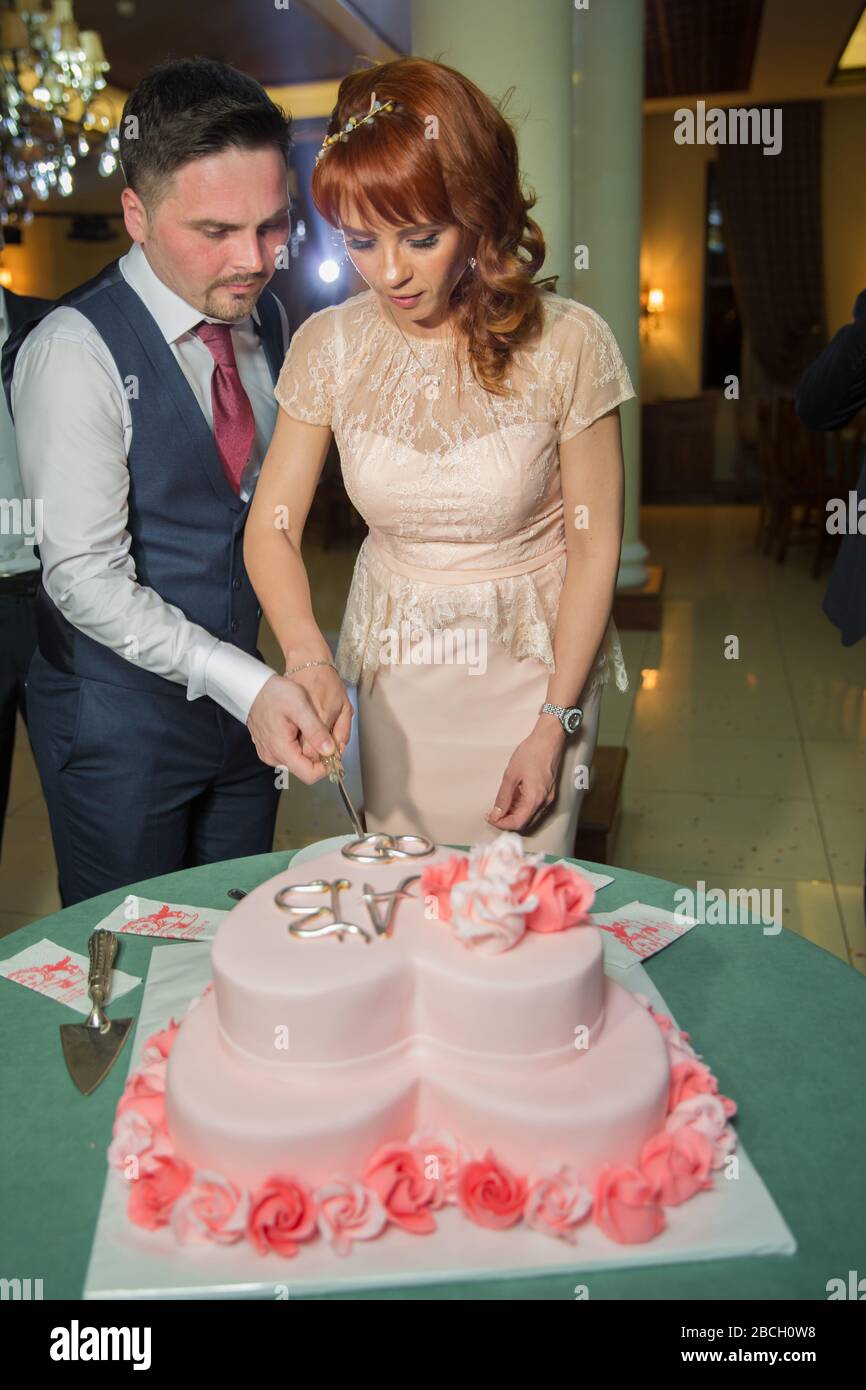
19, 561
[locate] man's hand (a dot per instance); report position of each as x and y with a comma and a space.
281, 719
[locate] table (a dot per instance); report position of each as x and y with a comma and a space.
781, 1022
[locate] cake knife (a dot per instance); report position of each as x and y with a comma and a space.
334, 763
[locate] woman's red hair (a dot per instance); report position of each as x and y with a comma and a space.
444, 154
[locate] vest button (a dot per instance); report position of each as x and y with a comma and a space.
235, 625
236, 585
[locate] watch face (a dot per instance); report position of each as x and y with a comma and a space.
571, 719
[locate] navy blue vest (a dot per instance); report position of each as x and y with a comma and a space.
185, 521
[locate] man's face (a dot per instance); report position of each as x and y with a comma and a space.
215, 234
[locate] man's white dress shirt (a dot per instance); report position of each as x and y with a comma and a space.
74, 430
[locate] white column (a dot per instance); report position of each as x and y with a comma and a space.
577, 104
608, 53
501, 44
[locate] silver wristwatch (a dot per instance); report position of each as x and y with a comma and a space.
570, 718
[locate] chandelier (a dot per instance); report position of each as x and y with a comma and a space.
51, 75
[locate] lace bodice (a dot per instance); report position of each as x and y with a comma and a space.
460, 488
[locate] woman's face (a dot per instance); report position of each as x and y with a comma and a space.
412, 268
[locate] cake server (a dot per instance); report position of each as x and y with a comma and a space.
91, 1048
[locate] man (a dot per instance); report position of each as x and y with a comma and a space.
832, 392
19, 561
143, 405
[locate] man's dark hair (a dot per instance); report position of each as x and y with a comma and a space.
188, 108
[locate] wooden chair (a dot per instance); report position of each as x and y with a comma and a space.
771, 486
602, 806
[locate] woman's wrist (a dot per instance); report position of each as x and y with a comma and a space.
306, 651
548, 728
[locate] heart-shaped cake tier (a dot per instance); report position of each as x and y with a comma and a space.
229, 1114
320, 1003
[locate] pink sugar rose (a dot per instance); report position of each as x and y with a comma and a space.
159, 1045
437, 880
281, 1213
505, 858
690, 1078
136, 1138
626, 1206
152, 1198
564, 898
211, 1209
396, 1173
556, 1201
706, 1114
153, 1074
490, 1194
488, 914
704, 1111
723, 1146
677, 1164
679, 1046
348, 1211
145, 1093
437, 1148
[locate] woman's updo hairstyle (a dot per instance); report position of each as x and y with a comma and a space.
443, 153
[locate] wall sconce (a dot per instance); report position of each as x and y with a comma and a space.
652, 306
5, 277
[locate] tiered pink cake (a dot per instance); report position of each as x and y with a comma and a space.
477, 1055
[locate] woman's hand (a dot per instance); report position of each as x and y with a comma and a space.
330, 700
529, 784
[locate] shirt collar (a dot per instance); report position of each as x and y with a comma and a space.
173, 315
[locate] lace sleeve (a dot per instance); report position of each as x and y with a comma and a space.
307, 382
598, 379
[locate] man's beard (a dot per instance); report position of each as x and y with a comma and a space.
221, 304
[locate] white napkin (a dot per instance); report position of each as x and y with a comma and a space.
175, 921
637, 931
60, 974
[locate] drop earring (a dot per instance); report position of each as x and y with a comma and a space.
472, 263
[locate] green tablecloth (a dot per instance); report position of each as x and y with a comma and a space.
780, 1021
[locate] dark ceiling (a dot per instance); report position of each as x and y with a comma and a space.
692, 46
276, 46
700, 46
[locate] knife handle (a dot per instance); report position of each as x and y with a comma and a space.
101, 948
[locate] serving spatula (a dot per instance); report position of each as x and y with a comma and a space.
91, 1048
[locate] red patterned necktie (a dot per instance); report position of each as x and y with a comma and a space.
234, 424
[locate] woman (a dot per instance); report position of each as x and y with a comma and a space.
467, 405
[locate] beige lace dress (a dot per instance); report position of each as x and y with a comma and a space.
449, 623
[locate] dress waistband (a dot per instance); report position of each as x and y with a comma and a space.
436, 576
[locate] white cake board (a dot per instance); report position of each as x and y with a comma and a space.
736, 1218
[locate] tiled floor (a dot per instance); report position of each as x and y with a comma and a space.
746, 773
750, 772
